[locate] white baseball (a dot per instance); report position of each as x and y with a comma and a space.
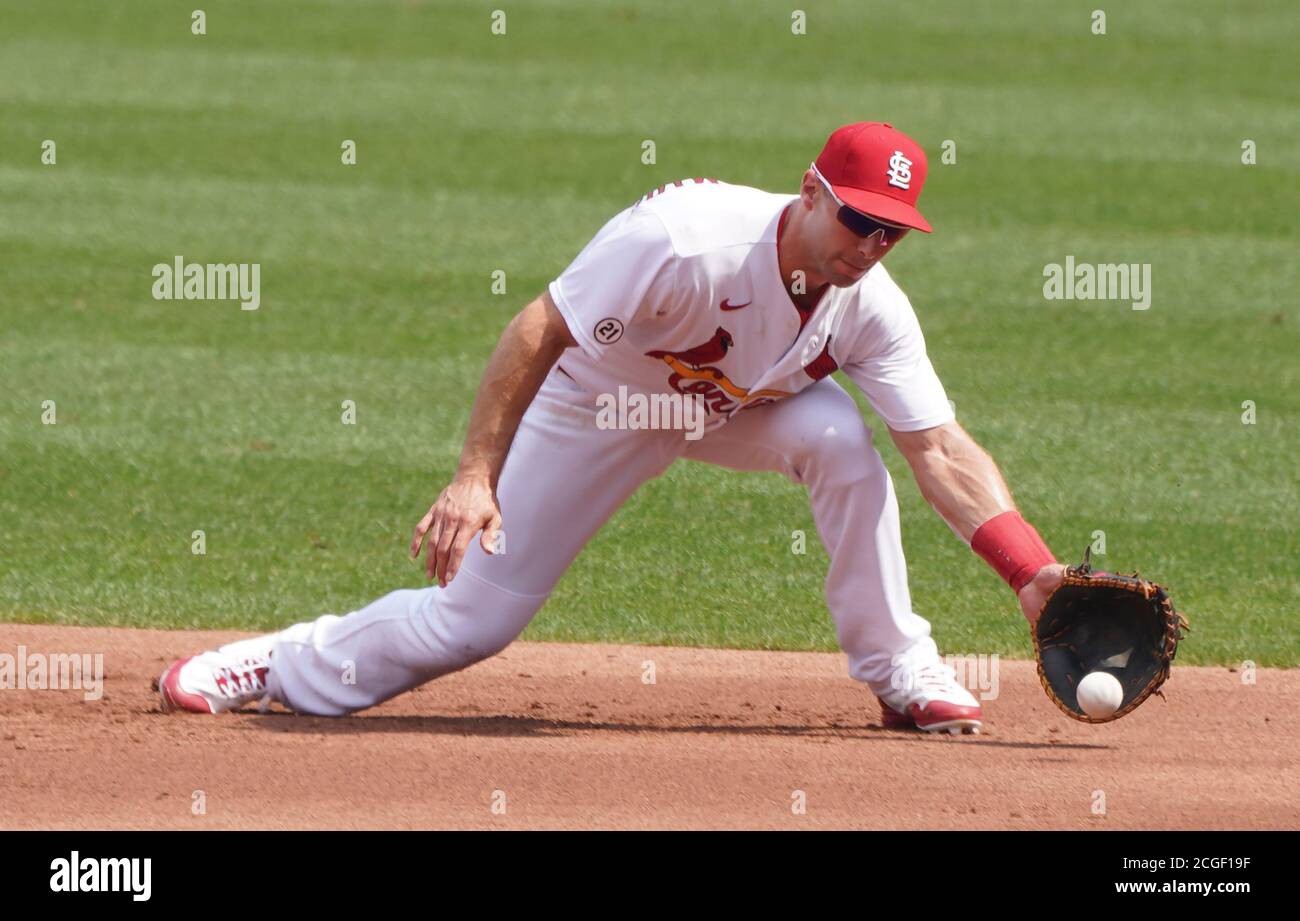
1100, 694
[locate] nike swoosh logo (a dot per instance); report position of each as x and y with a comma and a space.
727, 306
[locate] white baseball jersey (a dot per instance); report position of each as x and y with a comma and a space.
682, 292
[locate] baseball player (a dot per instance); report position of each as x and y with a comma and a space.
739, 303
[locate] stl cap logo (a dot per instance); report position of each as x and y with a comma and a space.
900, 170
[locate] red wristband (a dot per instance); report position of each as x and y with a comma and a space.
1011, 546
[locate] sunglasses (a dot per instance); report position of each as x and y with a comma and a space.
859, 223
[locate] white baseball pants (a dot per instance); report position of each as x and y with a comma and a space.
562, 480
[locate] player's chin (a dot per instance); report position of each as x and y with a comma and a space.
846, 273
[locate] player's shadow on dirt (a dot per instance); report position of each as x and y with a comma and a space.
541, 727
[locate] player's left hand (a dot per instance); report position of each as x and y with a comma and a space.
1036, 592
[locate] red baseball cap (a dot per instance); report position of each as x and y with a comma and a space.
876, 169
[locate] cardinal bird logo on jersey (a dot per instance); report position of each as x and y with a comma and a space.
694, 374
823, 364
714, 350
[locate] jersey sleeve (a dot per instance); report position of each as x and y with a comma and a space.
891, 367
623, 276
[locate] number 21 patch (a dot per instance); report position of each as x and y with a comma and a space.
608, 331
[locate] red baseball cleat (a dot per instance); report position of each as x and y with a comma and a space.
214, 682
931, 700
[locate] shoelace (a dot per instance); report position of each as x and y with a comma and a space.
937, 676
245, 679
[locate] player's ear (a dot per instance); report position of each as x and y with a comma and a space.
808, 189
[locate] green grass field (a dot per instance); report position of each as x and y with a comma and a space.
478, 152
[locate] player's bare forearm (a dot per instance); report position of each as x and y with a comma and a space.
963, 484
528, 348
530, 345
956, 476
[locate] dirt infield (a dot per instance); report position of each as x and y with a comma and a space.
573, 737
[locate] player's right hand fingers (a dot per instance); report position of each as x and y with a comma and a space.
451, 527
458, 548
490, 530
418, 536
431, 543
